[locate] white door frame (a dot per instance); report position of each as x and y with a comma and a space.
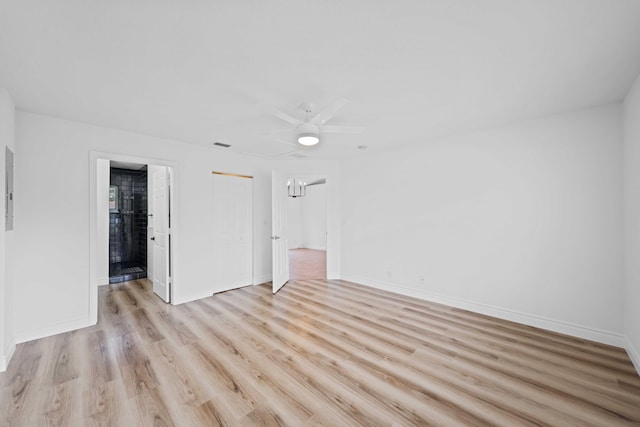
94, 156
329, 242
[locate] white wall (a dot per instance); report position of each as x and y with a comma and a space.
307, 219
314, 217
52, 214
522, 222
294, 222
7, 239
632, 222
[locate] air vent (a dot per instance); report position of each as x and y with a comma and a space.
220, 144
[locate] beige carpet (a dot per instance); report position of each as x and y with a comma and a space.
307, 264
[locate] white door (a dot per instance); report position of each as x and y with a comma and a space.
232, 231
280, 253
150, 224
161, 232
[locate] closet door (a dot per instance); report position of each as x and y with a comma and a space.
232, 231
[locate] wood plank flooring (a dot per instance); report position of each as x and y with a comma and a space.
317, 353
305, 264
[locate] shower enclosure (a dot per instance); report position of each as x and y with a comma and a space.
127, 224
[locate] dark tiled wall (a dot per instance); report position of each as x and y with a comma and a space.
128, 224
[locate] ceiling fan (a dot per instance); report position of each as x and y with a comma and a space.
308, 131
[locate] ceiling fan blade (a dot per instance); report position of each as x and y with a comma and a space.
291, 153
342, 129
323, 116
281, 115
317, 182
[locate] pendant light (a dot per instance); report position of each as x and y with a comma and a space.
296, 188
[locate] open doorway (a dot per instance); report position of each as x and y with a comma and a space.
307, 228
159, 236
128, 221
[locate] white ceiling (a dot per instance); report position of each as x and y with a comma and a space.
198, 70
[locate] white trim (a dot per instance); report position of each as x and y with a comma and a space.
261, 280
554, 325
193, 297
633, 353
60, 328
103, 281
315, 248
93, 238
334, 275
5, 358
231, 289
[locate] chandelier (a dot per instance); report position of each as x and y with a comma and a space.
296, 188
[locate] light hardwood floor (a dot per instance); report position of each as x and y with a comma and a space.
307, 264
317, 353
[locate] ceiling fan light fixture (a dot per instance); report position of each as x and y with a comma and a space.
308, 139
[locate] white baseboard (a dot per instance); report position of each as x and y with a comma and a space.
633, 353
7, 354
60, 328
315, 248
554, 325
333, 275
259, 280
181, 298
188, 298
103, 281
